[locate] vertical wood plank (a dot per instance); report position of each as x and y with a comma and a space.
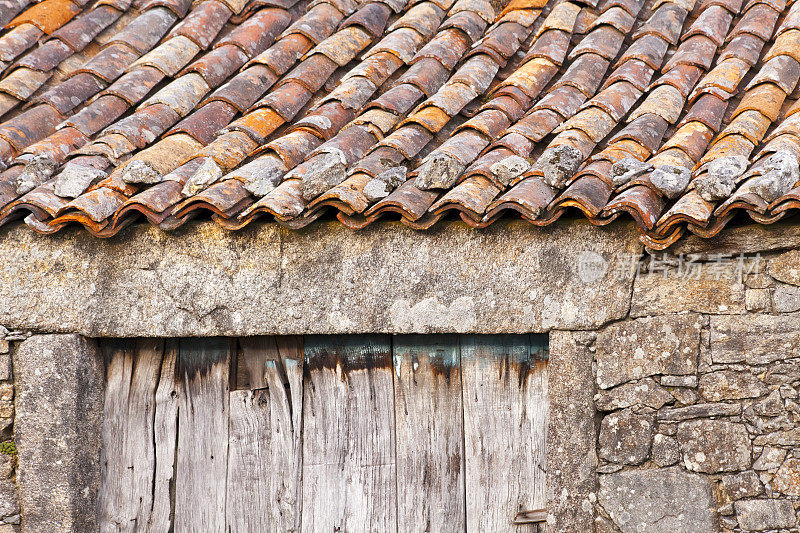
505, 421
165, 436
203, 369
428, 417
264, 461
287, 421
114, 507
349, 477
251, 360
127, 480
141, 413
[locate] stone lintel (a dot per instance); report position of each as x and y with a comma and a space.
203, 280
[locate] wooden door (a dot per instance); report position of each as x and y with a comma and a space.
325, 433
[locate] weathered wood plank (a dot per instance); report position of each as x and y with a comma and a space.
505, 421
429, 432
287, 419
165, 436
126, 496
251, 362
115, 509
349, 477
141, 412
203, 369
264, 460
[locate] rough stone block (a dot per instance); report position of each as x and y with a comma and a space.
9, 502
730, 385
787, 478
755, 339
6, 372
742, 485
720, 292
6, 400
744, 239
679, 381
770, 458
6, 466
786, 298
785, 267
655, 501
758, 280
758, 300
625, 437
60, 380
759, 515
645, 392
646, 347
685, 396
666, 450
789, 437
713, 446
700, 410
772, 405
571, 455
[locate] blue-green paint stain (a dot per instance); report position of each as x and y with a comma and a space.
350, 352
442, 352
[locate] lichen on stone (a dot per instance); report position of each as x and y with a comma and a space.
781, 174
721, 179
206, 175
262, 175
439, 171
139, 172
74, 179
559, 164
38, 169
384, 183
325, 170
626, 169
670, 180
509, 168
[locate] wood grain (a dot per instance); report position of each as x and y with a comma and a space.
505, 419
327, 433
264, 460
202, 454
165, 436
349, 479
129, 459
114, 506
430, 433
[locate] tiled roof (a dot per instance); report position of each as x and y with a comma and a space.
677, 114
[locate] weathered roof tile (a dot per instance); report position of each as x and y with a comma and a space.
479, 93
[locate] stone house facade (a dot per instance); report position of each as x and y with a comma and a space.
674, 377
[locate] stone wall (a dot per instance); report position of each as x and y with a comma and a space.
9, 498
697, 397
674, 391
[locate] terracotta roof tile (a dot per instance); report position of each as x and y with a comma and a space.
241, 111
47, 15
